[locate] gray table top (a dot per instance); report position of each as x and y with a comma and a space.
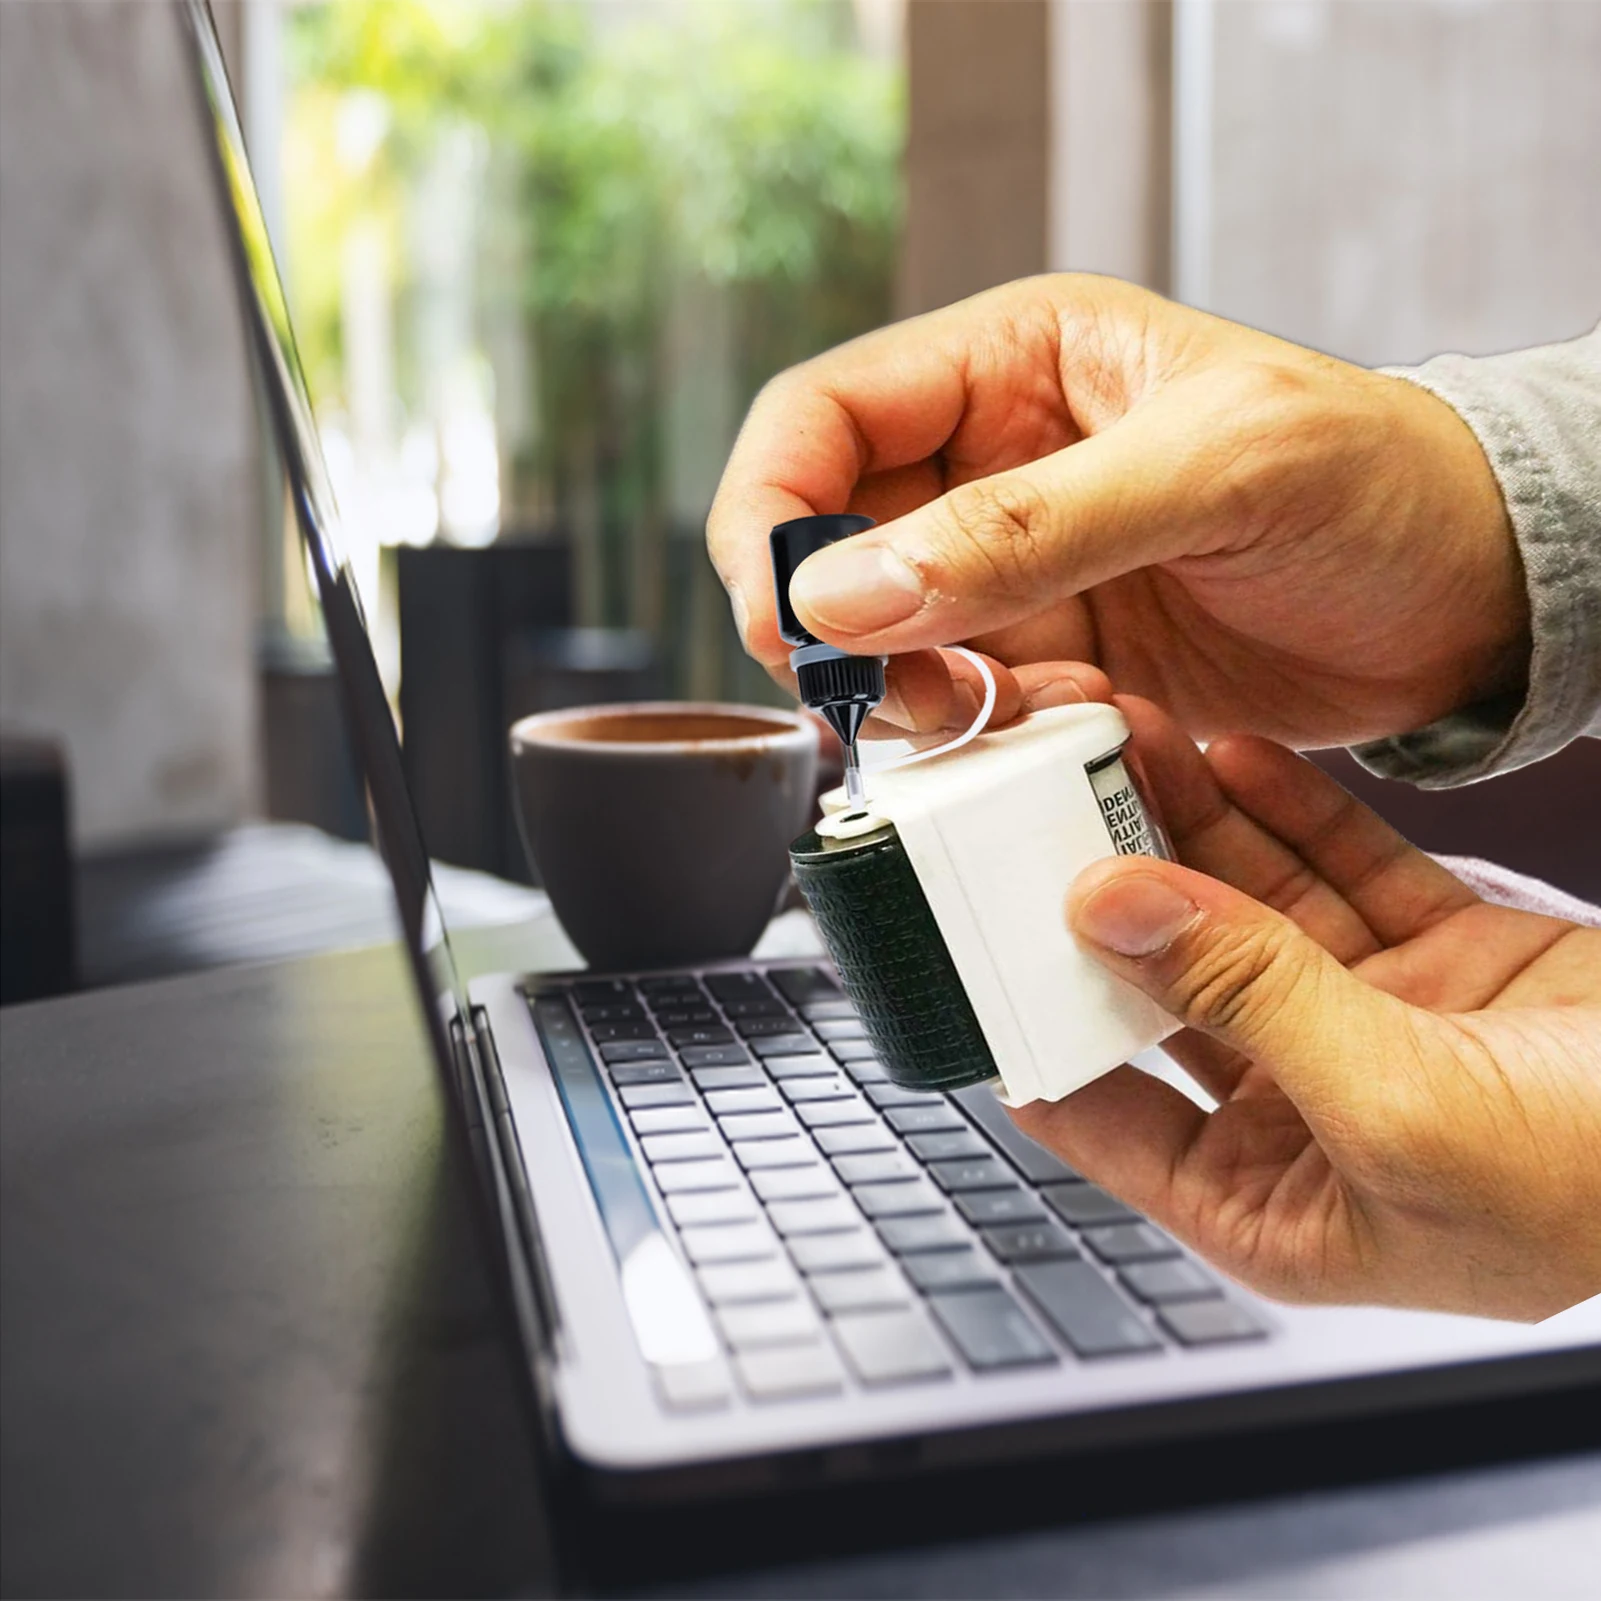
247, 1347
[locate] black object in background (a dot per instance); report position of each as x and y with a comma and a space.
1543, 820
310, 774
37, 940
457, 610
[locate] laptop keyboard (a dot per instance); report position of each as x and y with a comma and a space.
842, 1228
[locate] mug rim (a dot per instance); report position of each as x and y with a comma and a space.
532, 731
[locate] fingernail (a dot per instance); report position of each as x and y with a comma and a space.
1063, 691
1135, 916
856, 588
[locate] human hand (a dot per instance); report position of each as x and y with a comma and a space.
1071, 468
1408, 1078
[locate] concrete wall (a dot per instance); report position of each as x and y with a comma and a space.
1393, 179
129, 489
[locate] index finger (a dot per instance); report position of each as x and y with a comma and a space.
818, 435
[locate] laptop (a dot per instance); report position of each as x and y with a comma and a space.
735, 1254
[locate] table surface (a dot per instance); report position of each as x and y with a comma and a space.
248, 1347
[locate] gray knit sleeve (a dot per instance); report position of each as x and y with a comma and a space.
1537, 413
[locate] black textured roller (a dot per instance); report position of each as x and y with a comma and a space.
892, 959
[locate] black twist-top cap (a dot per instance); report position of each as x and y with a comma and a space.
843, 688
791, 543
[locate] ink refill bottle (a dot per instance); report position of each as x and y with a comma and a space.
940, 897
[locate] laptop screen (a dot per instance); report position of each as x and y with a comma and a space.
367, 715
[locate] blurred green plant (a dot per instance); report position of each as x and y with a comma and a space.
741, 158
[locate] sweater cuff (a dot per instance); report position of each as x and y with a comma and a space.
1537, 416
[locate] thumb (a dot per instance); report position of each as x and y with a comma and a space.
1231, 968
1000, 548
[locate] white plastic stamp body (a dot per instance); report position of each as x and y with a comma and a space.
996, 833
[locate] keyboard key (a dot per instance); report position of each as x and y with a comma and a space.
949, 1270
785, 1045
853, 1050
793, 1183
638, 1096
813, 1217
764, 1323
1129, 1242
924, 1119
815, 1089
1034, 1162
762, 1028
1210, 1322
737, 986
1086, 1205
632, 1051
726, 1103
756, 1006
873, 1289
693, 1386
830, 1030
732, 1283
668, 984
638, 1029
901, 1199
720, 1059
700, 1034
673, 1178
601, 991
835, 1114
697, 1207
725, 1078
882, 1095
1031, 1242
1085, 1310
800, 986
789, 1372
629, 1011
947, 1147
1174, 1280
991, 1330
668, 1120
986, 1173
891, 1347
982, 1208
795, 1151
671, 1017
878, 1167
680, 1147
857, 1138
729, 1242
826, 1011
934, 1231
866, 1070
757, 1126
644, 1073
832, 1253
782, 1067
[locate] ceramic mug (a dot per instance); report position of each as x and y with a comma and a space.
661, 829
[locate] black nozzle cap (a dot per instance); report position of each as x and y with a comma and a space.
791, 543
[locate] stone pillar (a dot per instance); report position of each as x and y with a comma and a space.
977, 137
1110, 136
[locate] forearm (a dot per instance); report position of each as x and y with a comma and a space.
1537, 415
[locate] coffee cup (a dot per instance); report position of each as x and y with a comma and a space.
661, 829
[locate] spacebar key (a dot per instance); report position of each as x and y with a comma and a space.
1085, 1310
